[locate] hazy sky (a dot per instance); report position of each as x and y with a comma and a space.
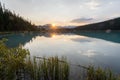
65, 12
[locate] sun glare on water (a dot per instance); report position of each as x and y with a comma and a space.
53, 35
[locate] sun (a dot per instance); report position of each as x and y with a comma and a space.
53, 26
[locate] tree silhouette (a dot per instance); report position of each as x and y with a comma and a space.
11, 22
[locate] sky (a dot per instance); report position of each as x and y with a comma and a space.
64, 12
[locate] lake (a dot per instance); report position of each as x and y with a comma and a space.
84, 48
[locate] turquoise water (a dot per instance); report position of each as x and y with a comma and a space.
85, 48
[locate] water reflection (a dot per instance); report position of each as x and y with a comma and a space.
15, 39
113, 36
20, 38
90, 53
83, 48
53, 35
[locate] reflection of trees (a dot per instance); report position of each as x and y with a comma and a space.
48, 34
16, 39
23, 38
52, 34
113, 36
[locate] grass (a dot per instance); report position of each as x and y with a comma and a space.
47, 69
100, 74
54, 69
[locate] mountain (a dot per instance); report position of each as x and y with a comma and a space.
113, 24
67, 27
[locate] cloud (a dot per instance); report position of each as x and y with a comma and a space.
47, 11
93, 4
82, 20
90, 53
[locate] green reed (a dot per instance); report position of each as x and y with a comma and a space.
47, 69
100, 74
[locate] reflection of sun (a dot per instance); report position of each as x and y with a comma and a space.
53, 35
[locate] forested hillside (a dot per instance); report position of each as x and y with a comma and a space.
113, 24
10, 21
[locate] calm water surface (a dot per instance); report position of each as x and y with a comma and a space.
85, 48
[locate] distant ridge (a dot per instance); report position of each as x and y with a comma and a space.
113, 24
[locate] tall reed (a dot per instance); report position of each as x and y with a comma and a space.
100, 74
47, 69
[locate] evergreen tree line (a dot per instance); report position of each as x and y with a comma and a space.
9, 21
